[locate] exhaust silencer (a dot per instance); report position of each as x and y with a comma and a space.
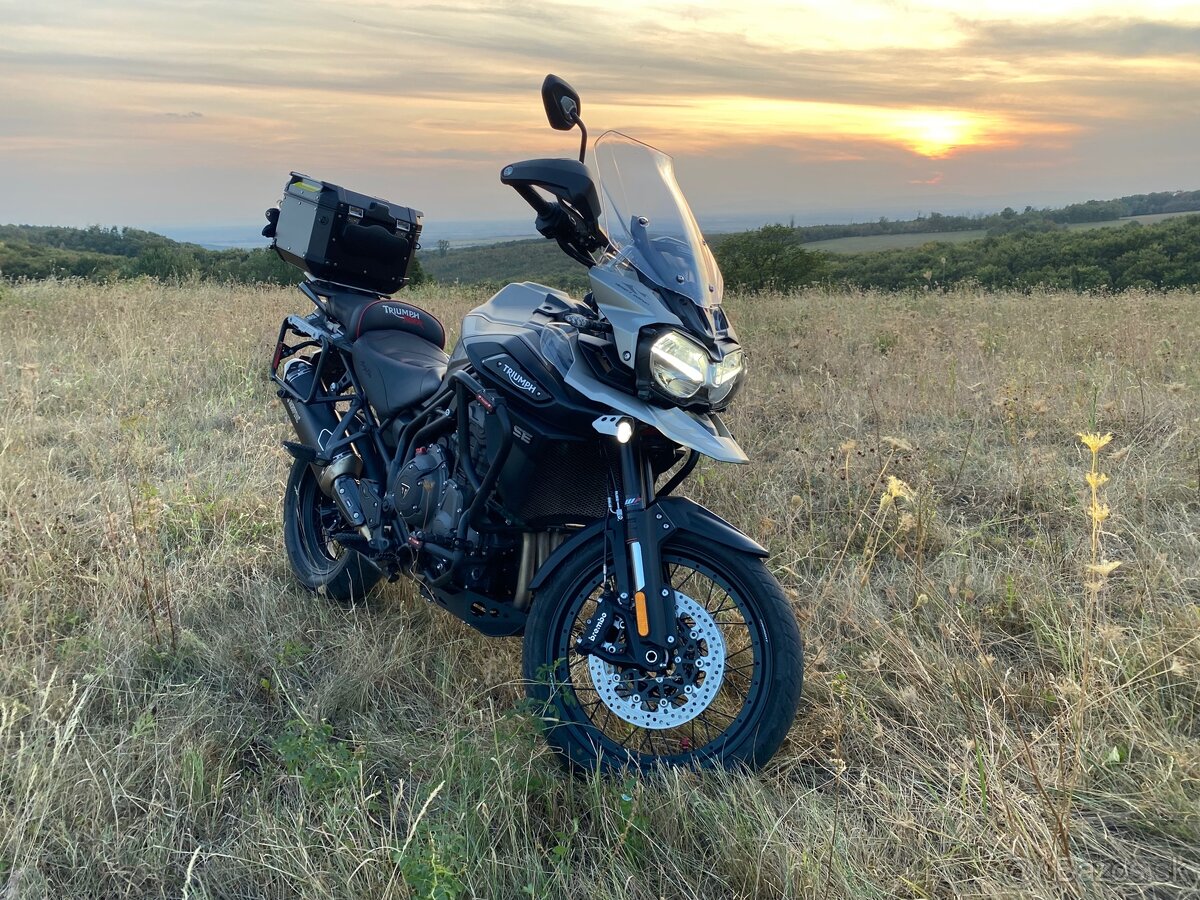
315, 424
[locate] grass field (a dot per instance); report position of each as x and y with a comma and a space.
178, 720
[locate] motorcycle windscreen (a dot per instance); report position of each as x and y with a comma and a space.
650, 223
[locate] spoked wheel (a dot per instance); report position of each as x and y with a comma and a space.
319, 563
726, 698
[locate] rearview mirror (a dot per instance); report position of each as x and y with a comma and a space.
561, 102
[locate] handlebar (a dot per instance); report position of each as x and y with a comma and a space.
556, 220
530, 195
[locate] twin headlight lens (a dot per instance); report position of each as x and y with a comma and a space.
681, 368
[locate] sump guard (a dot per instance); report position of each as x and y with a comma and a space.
482, 613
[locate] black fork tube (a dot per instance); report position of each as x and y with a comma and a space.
653, 602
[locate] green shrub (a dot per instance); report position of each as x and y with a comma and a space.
769, 258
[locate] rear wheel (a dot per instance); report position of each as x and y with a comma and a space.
727, 698
320, 564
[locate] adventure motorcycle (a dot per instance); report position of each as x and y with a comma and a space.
517, 479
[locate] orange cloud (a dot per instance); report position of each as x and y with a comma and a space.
925, 131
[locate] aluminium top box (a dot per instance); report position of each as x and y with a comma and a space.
342, 236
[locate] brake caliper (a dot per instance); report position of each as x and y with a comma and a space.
601, 632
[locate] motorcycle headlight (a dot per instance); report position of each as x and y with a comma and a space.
678, 365
726, 374
682, 370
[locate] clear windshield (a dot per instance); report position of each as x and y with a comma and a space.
649, 222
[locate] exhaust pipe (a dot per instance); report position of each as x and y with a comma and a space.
315, 424
536, 547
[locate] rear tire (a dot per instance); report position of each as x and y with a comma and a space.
319, 564
741, 626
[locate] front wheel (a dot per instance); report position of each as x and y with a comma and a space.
727, 698
320, 564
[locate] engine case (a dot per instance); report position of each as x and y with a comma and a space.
425, 495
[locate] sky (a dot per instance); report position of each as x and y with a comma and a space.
157, 113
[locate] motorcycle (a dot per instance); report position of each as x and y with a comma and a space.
526, 480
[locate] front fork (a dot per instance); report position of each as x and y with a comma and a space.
643, 606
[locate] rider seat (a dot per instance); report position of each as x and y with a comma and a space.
398, 369
398, 348
361, 313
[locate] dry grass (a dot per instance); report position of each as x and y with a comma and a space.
177, 719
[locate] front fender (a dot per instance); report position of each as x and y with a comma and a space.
685, 514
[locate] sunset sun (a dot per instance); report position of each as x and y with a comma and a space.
937, 134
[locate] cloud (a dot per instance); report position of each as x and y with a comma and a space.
475, 54
448, 88
1108, 38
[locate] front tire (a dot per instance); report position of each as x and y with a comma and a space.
740, 625
319, 564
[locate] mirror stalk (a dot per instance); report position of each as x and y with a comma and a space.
582, 138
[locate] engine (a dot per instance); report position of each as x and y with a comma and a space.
426, 497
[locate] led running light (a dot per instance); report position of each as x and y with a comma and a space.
678, 365
682, 368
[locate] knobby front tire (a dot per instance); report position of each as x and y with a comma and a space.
761, 657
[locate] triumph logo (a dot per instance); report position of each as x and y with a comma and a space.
518, 379
402, 312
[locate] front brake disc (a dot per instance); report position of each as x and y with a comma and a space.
669, 698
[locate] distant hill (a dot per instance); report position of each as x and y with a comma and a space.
541, 260
899, 240
1093, 211
993, 249
106, 253
1163, 254
534, 260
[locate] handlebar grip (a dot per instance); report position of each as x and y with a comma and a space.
534, 199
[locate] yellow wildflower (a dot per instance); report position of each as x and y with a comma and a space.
1094, 442
1096, 479
1099, 511
896, 488
1104, 569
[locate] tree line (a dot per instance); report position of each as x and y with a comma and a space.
1010, 219
1162, 255
106, 253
